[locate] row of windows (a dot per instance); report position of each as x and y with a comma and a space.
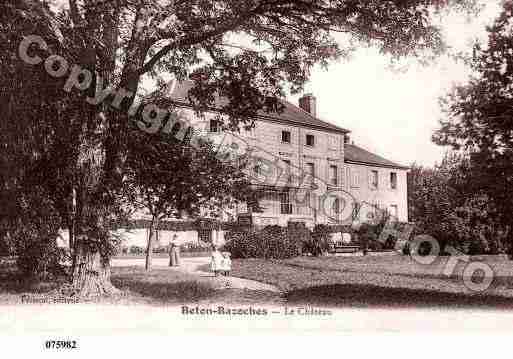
374, 181
310, 140
286, 138
287, 207
333, 178
333, 175
309, 172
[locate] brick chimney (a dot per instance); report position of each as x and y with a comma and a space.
309, 103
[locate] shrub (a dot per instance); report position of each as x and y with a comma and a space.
319, 242
406, 249
40, 257
136, 250
35, 245
278, 244
376, 246
160, 249
6, 247
30, 226
366, 235
298, 233
272, 242
241, 244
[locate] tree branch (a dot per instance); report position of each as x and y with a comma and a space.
199, 37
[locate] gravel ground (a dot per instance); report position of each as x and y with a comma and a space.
198, 268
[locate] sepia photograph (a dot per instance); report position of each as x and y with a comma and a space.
313, 165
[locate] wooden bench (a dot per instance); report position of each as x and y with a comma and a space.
345, 248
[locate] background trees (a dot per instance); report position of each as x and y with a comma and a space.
30, 128
479, 121
167, 178
445, 203
432, 198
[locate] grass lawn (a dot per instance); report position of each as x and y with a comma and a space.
377, 281
371, 281
159, 287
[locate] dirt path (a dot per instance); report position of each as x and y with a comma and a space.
200, 267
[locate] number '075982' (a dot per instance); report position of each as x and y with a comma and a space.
61, 344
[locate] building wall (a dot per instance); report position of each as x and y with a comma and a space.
327, 150
264, 142
358, 183
139, 237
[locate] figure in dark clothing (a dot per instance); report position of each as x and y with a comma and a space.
174, 252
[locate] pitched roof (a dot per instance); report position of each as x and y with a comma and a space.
358, 155
291, 114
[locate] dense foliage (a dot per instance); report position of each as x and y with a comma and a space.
319, 241
479, 121
445, 205
166, 178
272, 242
31, 233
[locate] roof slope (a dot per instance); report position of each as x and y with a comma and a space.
359, 155
291, 114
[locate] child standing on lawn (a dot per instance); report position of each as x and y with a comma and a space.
216, 261
226, 263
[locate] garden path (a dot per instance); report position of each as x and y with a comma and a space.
199, 266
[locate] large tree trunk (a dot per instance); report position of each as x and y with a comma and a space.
152, 238
91, 275
92, 242
101, 156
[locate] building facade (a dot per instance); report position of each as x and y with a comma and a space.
304, 168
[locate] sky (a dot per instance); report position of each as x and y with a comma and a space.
395, 113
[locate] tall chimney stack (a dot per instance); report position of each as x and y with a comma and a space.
309, 104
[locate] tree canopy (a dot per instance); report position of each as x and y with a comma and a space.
478, 118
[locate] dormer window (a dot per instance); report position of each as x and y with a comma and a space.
310, 140
285, 136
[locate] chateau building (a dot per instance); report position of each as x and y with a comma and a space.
306, 169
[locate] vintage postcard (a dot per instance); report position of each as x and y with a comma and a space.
255, 166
